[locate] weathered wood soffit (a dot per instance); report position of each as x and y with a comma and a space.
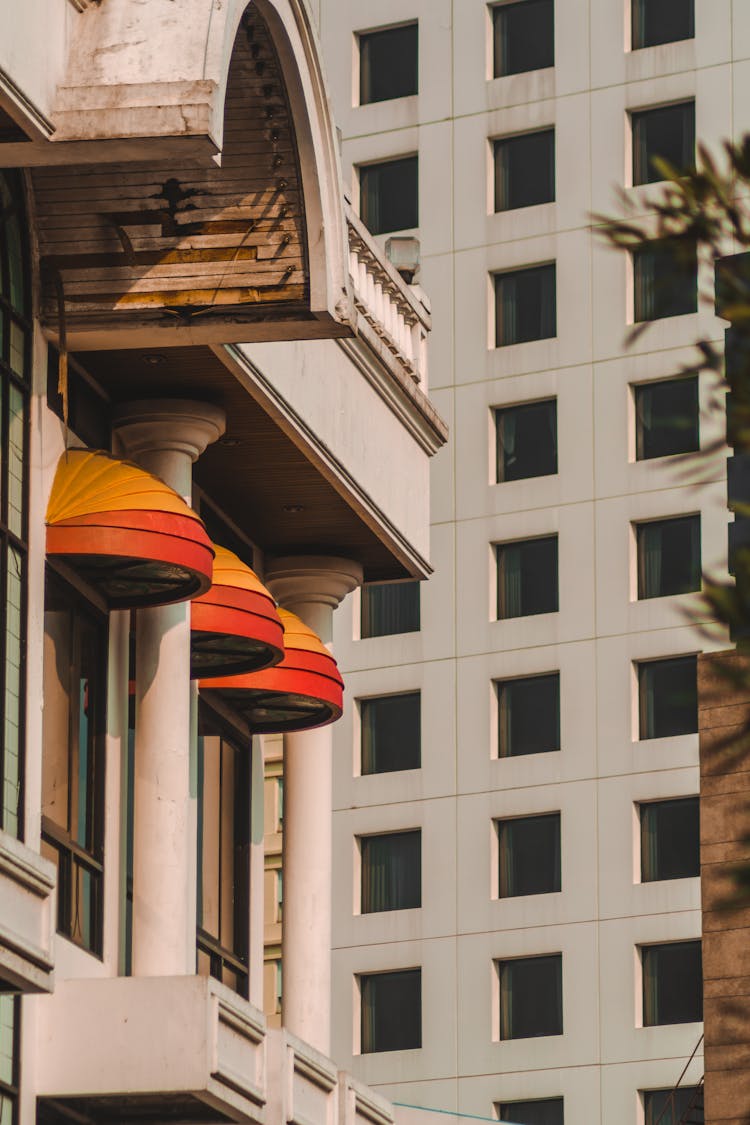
145, 253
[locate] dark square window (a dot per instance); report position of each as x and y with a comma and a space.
529, 855
389, 607
667, 132
388, 63
525, 170
666, 417
665, 280
673, 1107
526, 440
672, 983
527, 577
669, 557
391, 1011
662, 21
670, 839
391, 871
389, 195
523, 36
528, 715
540, 1111
668, 697
391, 733
525, 305
531, 997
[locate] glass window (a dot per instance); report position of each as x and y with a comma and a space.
391, 871
389, 607
525, 170
15, 369
531, 997
526, 441
523, 36
668, 133
668, 697
528, 715
669, 556
75, 727
670, 839
665, 280
388, 63
391, 1011
10, 1018
527, 577
525, 305
674, 1107
391, 733
529, 855
666, 418
662, 21
672, 983
540, 1111
223, 852
389, 195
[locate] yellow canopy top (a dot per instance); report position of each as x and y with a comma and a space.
300, 636
229, 570
90, 481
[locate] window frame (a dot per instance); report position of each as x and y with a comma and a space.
499, 447
501, 1106
641, 670
643, 296
366, 627
12, 1090
497, 143
635, 5
636, 116
640, 532
501, 595
647, 807
546, 269
13, 543
363, 980
503, 963
363, 841
365, 33
363, 169
503, 825
362, 705
67, 854
494, 70
646, 949
221, 957
638, 391
503, 685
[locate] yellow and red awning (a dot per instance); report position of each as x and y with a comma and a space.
304, 691
126, 531
234, 627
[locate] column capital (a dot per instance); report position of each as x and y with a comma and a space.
164, 424
297, 580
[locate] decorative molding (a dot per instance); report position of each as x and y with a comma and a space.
41, 124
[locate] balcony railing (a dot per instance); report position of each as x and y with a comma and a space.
392, 317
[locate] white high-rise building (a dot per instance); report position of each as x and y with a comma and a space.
517, 924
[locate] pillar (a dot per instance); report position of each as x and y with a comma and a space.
165, 437
311, 587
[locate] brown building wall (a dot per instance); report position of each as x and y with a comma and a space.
724, 725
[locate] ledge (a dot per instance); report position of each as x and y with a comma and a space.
27, 917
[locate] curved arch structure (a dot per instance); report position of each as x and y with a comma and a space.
181, 245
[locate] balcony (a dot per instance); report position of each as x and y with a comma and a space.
27, 917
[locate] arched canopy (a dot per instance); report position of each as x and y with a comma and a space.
304, 691
249, 248
126, 531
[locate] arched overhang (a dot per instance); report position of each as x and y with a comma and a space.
167, 251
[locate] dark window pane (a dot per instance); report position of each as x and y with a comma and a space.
391, 727
662, 21
542, 1111
389, 607
529, 855
527, 577
531, 997
528, 715
670, 839
389, 195
666, 418
526, 440
665, 280
672, 983
525, 305
388, 63
524, 36
667, 132
669, 557
668, 697
672, 1107
391, 871
525, 170
391, 1011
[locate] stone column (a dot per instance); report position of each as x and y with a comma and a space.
165, 437
311, 587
